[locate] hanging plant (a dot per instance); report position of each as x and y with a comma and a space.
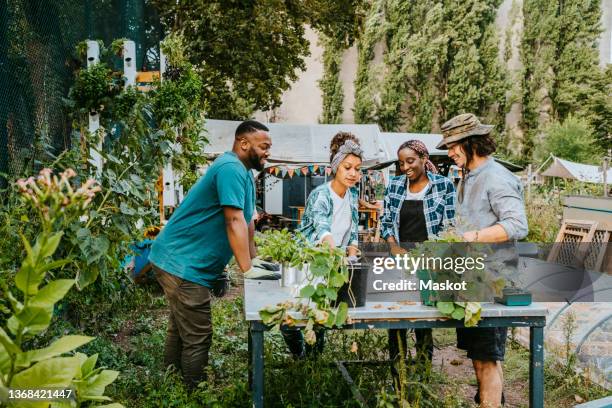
94, 88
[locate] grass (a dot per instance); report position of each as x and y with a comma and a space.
131, 340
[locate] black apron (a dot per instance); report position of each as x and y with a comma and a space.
412, 225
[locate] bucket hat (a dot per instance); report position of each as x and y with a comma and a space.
461, 127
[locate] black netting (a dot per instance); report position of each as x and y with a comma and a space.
37, 61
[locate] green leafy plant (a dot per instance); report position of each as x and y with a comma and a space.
327, 273
94, 88
54, 199
281, 246
572, 140
479, 282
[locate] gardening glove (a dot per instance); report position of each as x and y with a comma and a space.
262, 274
221, 285
265, 265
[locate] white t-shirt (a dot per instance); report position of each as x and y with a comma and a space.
341, 218
418, 196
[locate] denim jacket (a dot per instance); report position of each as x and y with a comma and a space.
317, 218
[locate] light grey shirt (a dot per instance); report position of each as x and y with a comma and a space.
492, 195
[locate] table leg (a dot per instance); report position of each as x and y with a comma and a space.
536, 367
250, 359
257, 365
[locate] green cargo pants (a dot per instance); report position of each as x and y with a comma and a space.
189, 326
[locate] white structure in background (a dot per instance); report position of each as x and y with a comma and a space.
129, 73
172, 189
93, 57
576, 171
129, 63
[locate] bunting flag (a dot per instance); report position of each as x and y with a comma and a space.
291, 172
304, 170
283, 173
315, 168
327, 171
311, 169
271, 170
277, 171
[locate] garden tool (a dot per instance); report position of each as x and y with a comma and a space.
262, 274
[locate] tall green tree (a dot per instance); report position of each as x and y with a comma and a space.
440, 59
249, 51
561, 73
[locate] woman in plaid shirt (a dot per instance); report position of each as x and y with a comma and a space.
418, 205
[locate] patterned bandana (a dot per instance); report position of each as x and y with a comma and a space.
349, 147
422, 151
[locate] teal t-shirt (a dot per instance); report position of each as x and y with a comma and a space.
193, 245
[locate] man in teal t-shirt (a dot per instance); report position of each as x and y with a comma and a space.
214, 222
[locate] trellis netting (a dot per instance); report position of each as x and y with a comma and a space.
37, 64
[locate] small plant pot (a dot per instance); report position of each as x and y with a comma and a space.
288, 276
354, 292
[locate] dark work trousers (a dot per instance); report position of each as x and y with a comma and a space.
412, 228
189, 326
424, 344
294, 338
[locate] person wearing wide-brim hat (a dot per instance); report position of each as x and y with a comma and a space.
490, 209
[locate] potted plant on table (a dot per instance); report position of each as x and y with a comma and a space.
325, 274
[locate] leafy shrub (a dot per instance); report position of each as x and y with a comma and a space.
54, 200
572, 140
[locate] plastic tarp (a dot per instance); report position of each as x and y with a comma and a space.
577, 171
298, 143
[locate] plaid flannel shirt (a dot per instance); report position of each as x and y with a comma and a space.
317, 218
438, 205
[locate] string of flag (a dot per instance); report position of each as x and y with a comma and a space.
290, 172
281, 171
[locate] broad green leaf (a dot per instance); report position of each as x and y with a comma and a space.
34, 319
28, 278
341, 314
8, 344
445, 308
57, 348
5, 361
53, 265
330, 293
113, 405
458, 313
15, 304
307, 291
336, 280
92, 248
50, 245
95, 385
88, 366
126, 209
86, 277
54, 372
52, 293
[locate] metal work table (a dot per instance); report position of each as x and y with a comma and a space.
394, 315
